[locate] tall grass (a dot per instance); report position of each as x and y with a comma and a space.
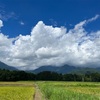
70, 90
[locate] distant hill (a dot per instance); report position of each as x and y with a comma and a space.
66, 69
4, 66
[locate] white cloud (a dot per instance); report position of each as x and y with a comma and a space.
22, 23
1, 23
48, 45
5, 15
93, 18
5, 46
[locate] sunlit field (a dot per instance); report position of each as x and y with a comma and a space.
70, 90
16, 90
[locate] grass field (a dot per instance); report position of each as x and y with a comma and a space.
70, 90
16, 90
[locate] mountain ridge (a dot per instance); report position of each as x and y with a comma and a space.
5, 66
66, 69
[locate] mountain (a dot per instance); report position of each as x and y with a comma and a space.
4, 66
85, 70
66, 69
62, 69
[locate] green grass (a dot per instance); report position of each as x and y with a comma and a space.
70, 90
16, 90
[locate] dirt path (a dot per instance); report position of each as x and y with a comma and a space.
38, 94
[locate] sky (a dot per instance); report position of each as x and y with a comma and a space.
36, 33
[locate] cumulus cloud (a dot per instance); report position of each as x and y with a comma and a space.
48, 45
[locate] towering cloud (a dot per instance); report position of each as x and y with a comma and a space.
48, 45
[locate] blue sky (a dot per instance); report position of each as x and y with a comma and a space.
36, 33
52, 12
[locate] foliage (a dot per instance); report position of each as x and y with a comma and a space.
6, 75
53, 76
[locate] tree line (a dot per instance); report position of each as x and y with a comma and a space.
7, 75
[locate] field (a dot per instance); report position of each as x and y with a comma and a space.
50, 90
16, 90
70, 90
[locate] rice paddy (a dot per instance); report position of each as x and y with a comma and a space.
50, 90
70, 90
16, 91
